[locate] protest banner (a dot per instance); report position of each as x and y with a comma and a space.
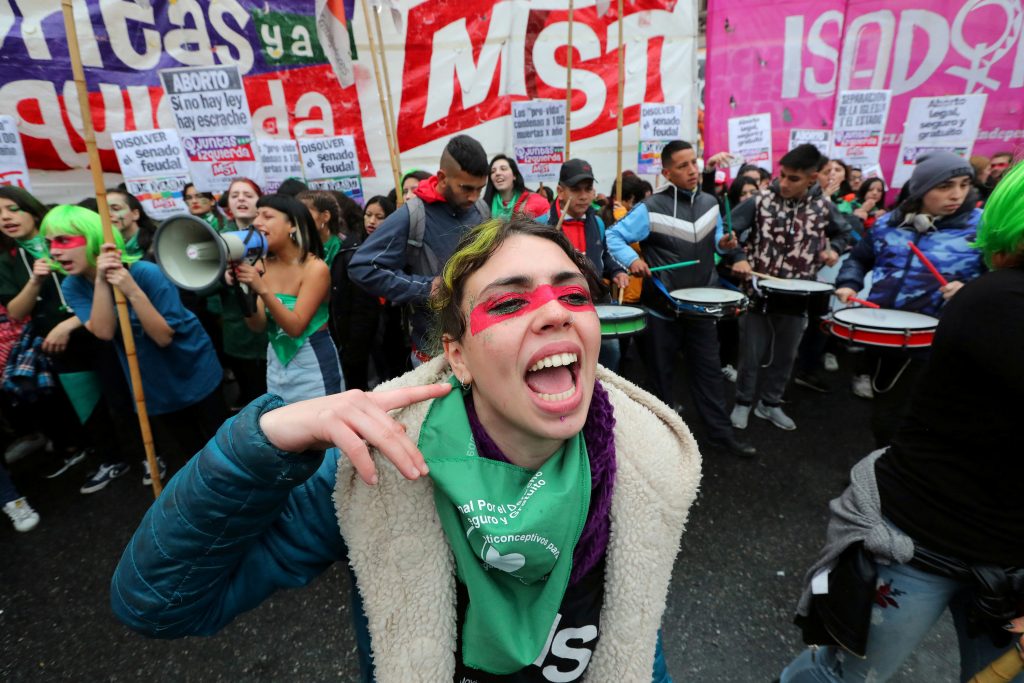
659, 124
822, 139
750, 140
947, 123
793, 59
13, 169
280, 160
538, 139
858, 126
154, 168
456, 67
332, 164
211, 114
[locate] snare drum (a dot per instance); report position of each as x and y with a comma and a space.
795, 297
709, 302
884, 327
620, 321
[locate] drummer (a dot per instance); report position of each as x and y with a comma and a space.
788, 231
680, 223
940, 217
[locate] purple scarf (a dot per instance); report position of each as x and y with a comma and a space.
600, 439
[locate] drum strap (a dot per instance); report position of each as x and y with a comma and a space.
664, 290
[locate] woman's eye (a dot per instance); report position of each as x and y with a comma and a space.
576, 299
506, 306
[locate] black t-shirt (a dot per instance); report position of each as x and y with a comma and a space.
953, 478
570, 645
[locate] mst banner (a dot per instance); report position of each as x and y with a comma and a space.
792, 59
454, 67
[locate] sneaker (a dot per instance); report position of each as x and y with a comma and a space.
23, 517
68, 463
24, 447
729, 372
735, 447
861, 386
740, 415
810, 380
147, 479
830, 362
103, 476
775, 415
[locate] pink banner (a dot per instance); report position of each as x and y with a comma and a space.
790, 59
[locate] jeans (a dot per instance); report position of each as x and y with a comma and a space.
768, 346
915, 601
313, 372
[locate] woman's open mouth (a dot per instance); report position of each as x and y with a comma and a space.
552, 378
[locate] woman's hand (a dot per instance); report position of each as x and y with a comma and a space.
57, 340
353, 421
251, 276
949, 290
41, 270
844, 294
110, 269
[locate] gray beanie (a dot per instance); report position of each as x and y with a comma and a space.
935, 168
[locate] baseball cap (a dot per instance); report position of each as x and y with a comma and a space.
575, 171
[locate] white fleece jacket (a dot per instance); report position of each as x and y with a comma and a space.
406, 571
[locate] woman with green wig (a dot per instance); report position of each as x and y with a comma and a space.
511, 510
180, 373
934, 521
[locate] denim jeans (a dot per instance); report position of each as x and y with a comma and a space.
913, 602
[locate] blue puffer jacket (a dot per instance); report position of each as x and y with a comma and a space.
899, 278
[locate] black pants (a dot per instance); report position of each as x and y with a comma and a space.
251, 376
698, 338
183, 433
894, 375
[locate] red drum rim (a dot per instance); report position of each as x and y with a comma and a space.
892, 338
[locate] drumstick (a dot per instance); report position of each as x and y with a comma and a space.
622, 293
862, 302
928, 264
765, 276
728, 217
670, 266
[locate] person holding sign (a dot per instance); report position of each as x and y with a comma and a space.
401, 261
293, 302
933, 522
679, 223
506, 192
543, 541
939, 218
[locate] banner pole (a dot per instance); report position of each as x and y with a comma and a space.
568, 89
392, 150
89, 135
622, 74
392, 121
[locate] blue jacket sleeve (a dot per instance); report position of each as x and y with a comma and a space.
377, 266
857, 266
241, 520
635, 226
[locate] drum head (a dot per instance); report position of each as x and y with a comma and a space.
885, 319
801, 286
612, 312
707, 295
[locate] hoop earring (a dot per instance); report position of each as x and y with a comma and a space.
294, 237
466, 386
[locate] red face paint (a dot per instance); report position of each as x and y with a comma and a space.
66, 241
508, 305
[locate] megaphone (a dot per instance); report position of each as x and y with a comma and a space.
194, 256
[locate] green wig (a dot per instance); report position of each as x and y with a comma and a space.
1002, 221
77, 220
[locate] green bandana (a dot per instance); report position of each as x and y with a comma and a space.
285, 346
512, 532
36, 246
500, 209
131, 245
331, 248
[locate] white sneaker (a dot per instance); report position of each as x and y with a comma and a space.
830, 362
147, 478
740, 415
729, 372
861, 386
775, 415
22, 515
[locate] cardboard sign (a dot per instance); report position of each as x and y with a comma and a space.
750, 140
281, 161
538, 139
947, 123
859, 126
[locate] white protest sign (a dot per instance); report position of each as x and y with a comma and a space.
332, 164
859, 125
281, 161
149, 153
750, 140
161, 197
211, 114
538, 139
822, 139
947, 123
350, 185
13, 169
659, 121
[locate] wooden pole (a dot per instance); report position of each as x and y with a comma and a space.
388, 133
622, 88
568, 89
89, 135
392, 121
